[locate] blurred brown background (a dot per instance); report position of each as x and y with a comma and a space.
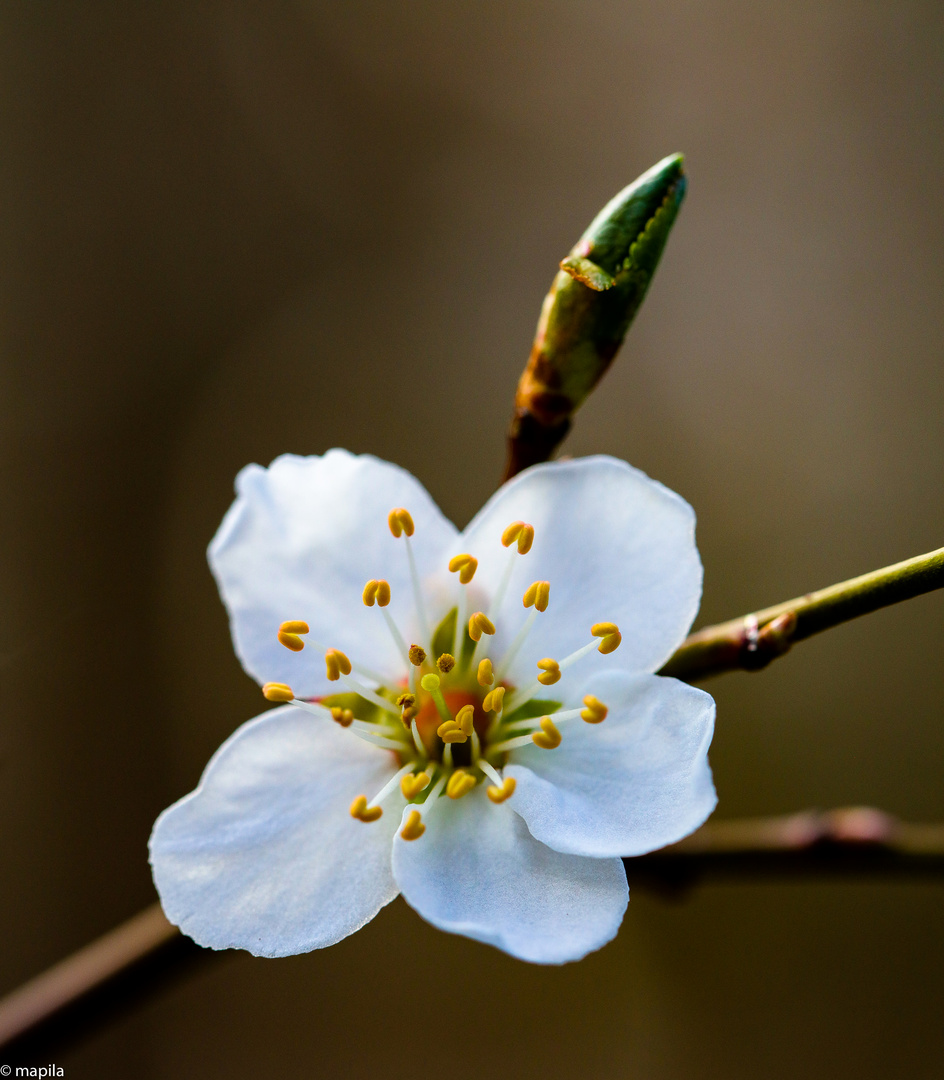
235, 229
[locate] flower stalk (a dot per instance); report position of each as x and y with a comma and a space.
752, 641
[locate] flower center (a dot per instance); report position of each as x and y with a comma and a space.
453, 718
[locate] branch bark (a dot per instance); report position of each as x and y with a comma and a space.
752, 641
83, 992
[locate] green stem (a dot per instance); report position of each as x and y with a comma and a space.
752, 641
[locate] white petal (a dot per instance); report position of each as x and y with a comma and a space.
634, 783
615, 546
300, 542
264, 855
477, 871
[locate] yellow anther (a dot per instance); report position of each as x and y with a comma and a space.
466, 565
344, 717
446, 727
610, 634
464, 718
446, 663
480, 624
494, 700
485, 674
430, 682
460, 783
337, 664
595, 711
417, 655
414, 827
548, 738
537, 595
455, 735
376, 591
400, 522
412, 785
550, 671
511, 533
361, 811
289, 634
522, 532
499, 794
406, 701
277, 691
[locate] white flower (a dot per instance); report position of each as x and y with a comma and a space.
497, 801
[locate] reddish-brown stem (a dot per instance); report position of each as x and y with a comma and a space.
848, 843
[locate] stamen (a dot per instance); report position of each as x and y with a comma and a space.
407, 704
464, 718
344, 717
376, 591
494, 700
400, 522
460, 783
465, 565
277, 691
610, 634
430, 684
548, 738
550, 671
446, 663
595, 711
411, 786
485, 676
451, 732
379, 592
537, 595
414, 827
521, 532
417, 655
505, 791
337, 664
480, 624
387, 738
362, 812
289, 634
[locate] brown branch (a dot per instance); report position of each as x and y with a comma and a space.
90, 987
850, 843
753, 641
80, 994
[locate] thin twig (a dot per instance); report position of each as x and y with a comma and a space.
752, 641
849, 843
88, 988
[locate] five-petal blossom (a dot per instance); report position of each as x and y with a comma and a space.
481, 756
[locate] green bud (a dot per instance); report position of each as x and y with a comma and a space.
585, 316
